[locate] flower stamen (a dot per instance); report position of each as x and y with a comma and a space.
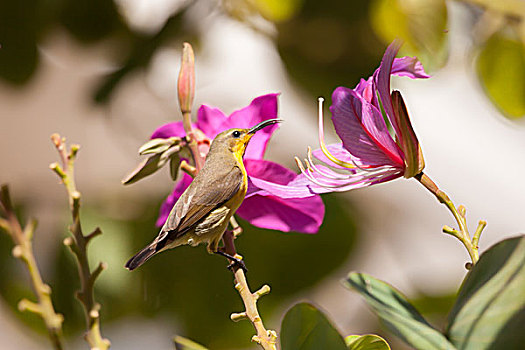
322, 143
334, 175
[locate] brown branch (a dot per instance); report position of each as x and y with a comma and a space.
78, 244
23, 250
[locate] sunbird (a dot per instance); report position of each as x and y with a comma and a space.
203, 211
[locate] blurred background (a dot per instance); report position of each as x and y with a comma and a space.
103, 74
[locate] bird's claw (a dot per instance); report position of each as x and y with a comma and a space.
237, 263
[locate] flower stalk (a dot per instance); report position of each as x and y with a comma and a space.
78, 243
23, 250
459, 213
186, 94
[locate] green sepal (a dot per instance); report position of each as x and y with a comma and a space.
145, 168
174, 166
158, 145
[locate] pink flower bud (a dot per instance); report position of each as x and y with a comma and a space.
186, 82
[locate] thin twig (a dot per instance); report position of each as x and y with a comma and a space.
78, 244
23, 250
459, 214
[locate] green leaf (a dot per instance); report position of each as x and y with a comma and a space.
490, 309
306, 328
501, 71
421, 24
397, 313
182, 343
145, 168
366, 342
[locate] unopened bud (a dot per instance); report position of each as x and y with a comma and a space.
56, 139
186, 83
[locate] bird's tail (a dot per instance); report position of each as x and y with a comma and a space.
142, 256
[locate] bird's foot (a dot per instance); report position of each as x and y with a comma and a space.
236, 261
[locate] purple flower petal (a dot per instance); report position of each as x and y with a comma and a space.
169, 130
408, 67
269, 204
382, 81
339, 152
170, 201
271, 212
260, 109
271, 179
365, 88
323, 184
362, 129
212, 121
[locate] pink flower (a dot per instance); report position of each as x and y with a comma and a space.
265, 204
371, 151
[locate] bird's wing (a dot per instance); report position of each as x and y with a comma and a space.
199, 200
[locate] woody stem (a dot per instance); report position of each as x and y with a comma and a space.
265, 338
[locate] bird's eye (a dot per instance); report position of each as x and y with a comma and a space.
236, 133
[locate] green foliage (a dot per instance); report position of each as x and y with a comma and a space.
366, 342
501, 70
182, 343
397, 313
306, 328
490, 309
421, 24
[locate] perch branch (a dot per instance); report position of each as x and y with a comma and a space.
265, 338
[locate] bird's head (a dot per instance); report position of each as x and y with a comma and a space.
236, 140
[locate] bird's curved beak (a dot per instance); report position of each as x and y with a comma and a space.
263, 124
